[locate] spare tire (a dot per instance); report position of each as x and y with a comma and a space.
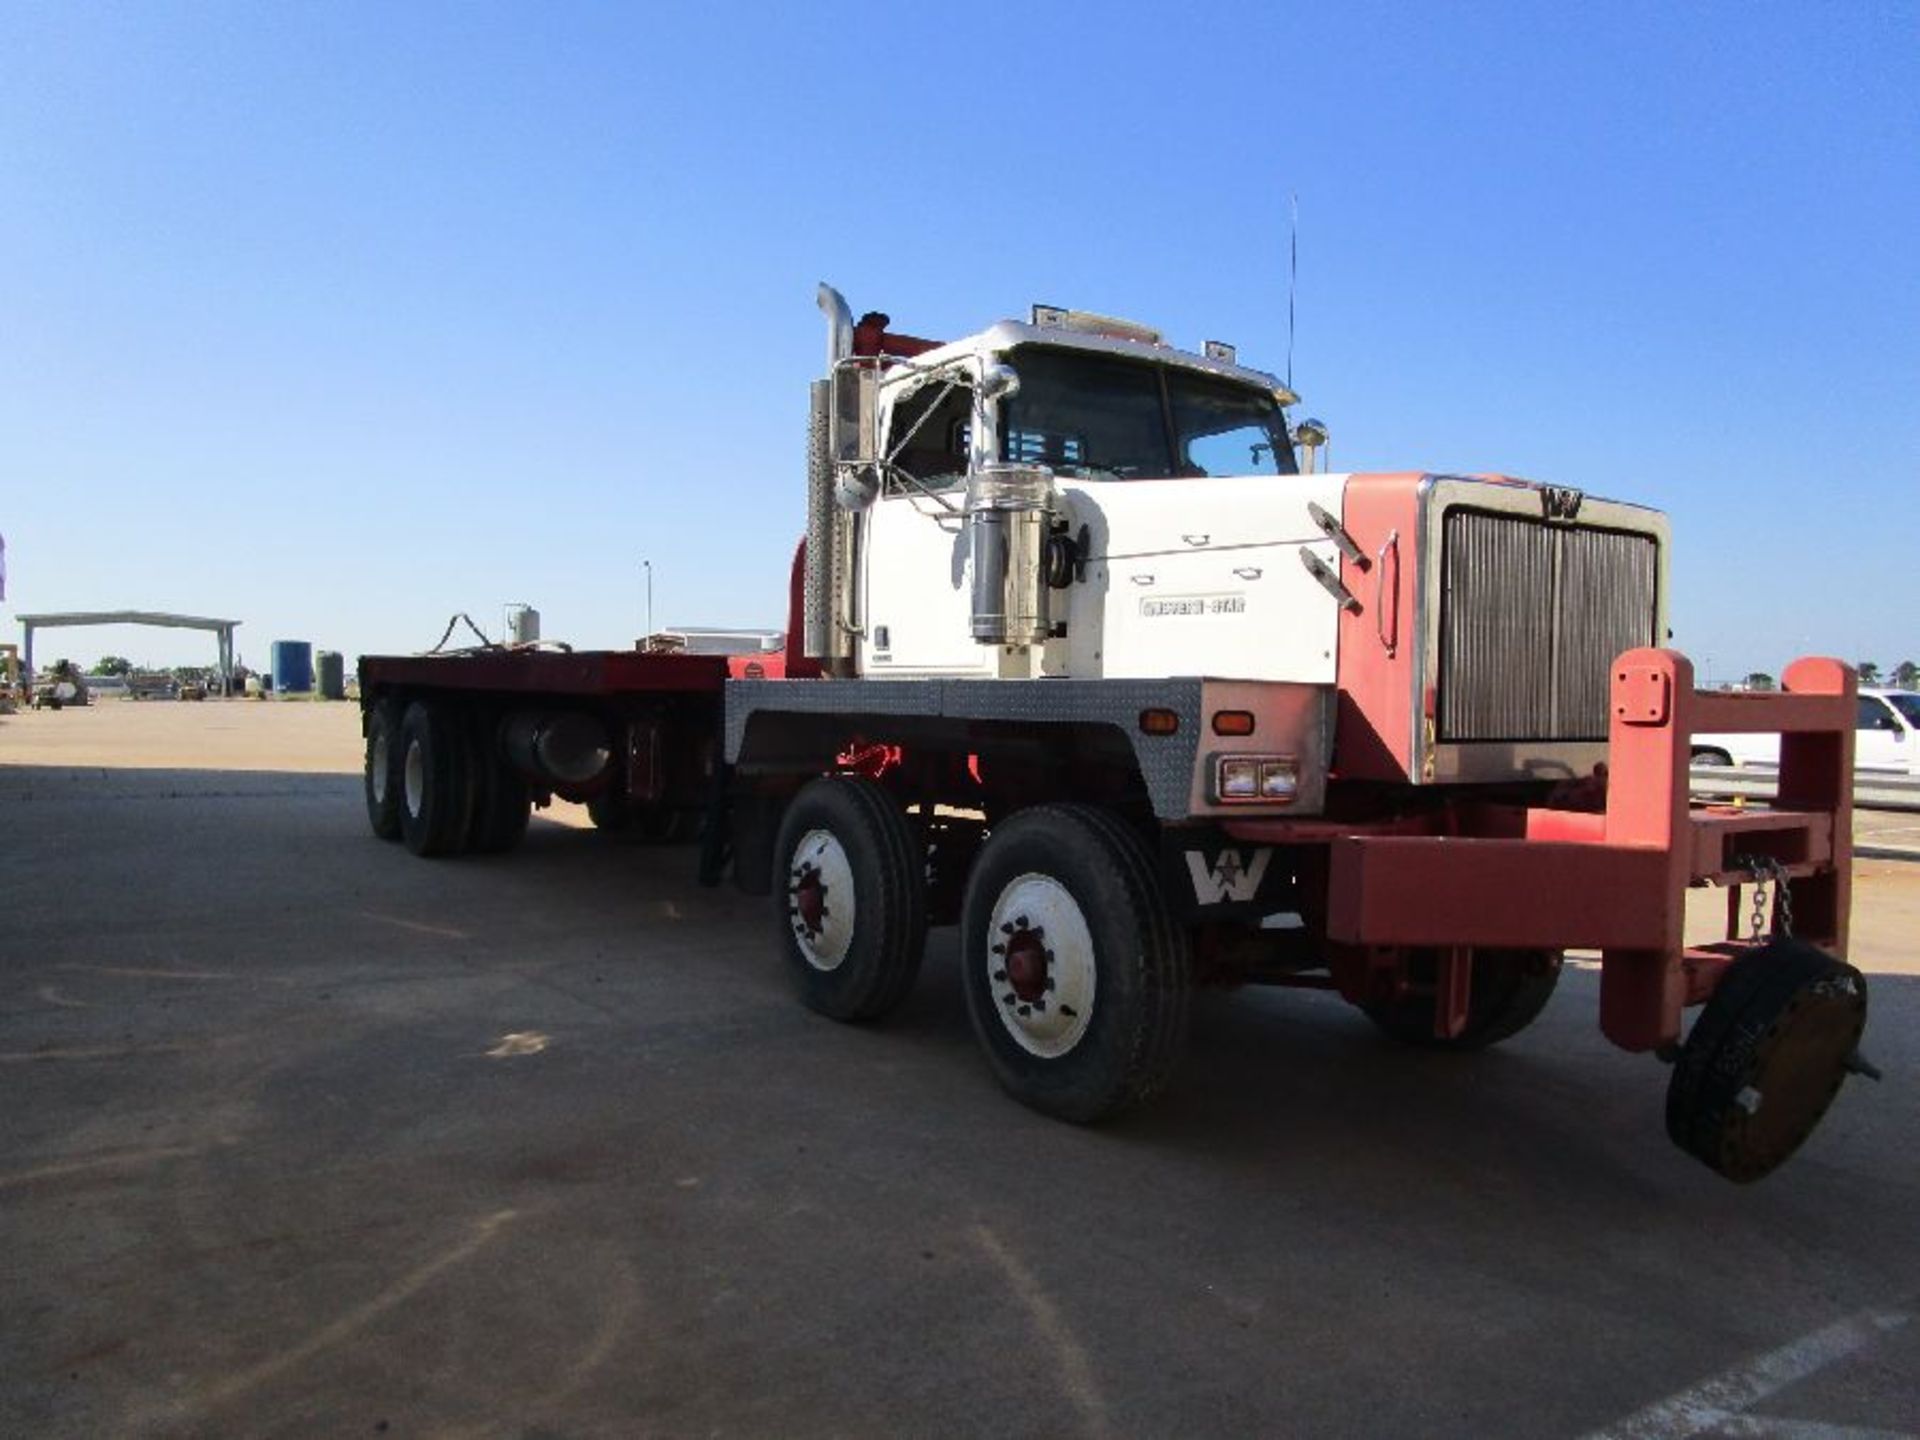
1766, 1058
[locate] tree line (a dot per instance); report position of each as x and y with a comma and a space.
1905, 676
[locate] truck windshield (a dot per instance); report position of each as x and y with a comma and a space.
1108, 417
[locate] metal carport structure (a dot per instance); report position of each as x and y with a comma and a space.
222, 629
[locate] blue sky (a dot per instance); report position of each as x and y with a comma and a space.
337, 318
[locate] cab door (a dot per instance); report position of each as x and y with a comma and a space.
916, 592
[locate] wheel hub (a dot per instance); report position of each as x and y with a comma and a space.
1027, 958
820, 899
1040, 965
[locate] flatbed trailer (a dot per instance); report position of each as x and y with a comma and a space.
657, 714
1144, 725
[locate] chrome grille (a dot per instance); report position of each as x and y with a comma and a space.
1531, 617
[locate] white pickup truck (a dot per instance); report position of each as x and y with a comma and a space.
1888, 737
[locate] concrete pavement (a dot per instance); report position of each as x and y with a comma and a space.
304, 1136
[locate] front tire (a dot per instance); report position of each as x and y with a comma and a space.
1077, 980
851, 900
1510, 988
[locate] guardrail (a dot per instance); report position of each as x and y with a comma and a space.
1872, 789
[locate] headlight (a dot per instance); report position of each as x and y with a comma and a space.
1256, 779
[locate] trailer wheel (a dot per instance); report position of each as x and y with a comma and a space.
436, 800
1765, 1059
381, 778
501, 800
851, 903
1510, 989
1077, 980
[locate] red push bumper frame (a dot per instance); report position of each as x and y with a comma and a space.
1501, 877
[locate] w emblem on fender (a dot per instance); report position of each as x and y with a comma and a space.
1228, 879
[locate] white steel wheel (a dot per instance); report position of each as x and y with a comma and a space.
380, 766
850, 895
821, 903
1076, 978
1040, 965
382, 784
416, 776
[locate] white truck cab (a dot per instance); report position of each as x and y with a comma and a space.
1172, 576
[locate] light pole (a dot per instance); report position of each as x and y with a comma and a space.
648, 565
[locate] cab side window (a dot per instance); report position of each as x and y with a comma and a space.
1874, 715
936, 453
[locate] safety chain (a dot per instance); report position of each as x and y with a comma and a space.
1766, 870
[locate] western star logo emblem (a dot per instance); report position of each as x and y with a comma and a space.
1228, 879
1560, 502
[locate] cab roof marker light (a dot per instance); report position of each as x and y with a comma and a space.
1085, 322
1221, 351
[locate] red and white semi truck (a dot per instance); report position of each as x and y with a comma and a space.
1086, 655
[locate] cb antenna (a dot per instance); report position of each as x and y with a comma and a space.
1293, 278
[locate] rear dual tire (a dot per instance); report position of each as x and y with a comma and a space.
436, 790
381, 776
433, 781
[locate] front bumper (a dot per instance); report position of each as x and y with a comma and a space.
1477, 876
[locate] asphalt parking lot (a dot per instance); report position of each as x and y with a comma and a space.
304, 1136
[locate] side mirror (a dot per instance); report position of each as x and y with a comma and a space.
853, 437
997, 382
1309, 436
856, 412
